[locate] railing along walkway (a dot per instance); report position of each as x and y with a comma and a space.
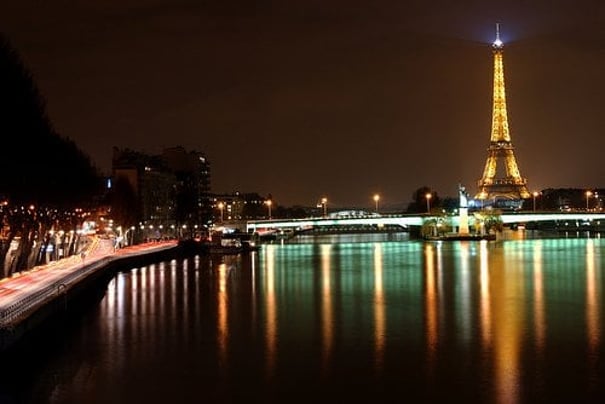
27, 291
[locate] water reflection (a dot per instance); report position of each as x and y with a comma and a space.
539, 309
483, 321
326, 307
222, 306
508, 309
379, 309
271, 309
593, 304
431, 310
463, 300
485, 307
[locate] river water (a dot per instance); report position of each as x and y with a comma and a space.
341, 318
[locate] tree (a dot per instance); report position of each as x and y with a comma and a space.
419, 200
124, 203
490, 219
38, 167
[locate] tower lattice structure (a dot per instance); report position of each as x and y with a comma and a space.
501, 177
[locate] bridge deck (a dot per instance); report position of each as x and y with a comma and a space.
415, 220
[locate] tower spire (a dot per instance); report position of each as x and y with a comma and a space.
507, 184
498, 43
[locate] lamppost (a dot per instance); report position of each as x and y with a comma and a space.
588, 195
269, 203
324, 204
221, 206
535, 194
376, 199
428, 202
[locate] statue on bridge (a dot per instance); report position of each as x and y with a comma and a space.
463, 210
463, 196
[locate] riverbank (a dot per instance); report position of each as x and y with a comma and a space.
30, 298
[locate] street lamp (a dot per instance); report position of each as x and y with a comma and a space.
269, 203
221, 206
588, 195
535, 194
428, 202
376, 199
324, 204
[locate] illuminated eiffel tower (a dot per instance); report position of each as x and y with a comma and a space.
500, 181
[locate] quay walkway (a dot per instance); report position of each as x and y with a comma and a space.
25, 293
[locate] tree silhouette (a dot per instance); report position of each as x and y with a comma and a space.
419, 197
124, 203
36, 164
38, 167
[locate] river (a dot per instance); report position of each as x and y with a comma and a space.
336, 319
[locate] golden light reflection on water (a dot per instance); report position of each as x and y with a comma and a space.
162, 285
253, 295
485, 307
144, 287
142, 304
464, 300
222, 313
379, 309
487, 298
432, 312
173, 290
134, 280
271, 309
593, 293
134, 308
184, 299
327, 321
508, 306
539, 316
114, 311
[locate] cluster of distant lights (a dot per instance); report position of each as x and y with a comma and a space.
78, 212
51, 213
151, 227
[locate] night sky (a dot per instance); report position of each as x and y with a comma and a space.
343, 99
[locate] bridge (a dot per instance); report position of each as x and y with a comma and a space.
406, 220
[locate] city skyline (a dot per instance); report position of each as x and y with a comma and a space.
308, 100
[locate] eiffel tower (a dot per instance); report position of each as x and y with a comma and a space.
500, 181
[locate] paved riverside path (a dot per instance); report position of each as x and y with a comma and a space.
24, 292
